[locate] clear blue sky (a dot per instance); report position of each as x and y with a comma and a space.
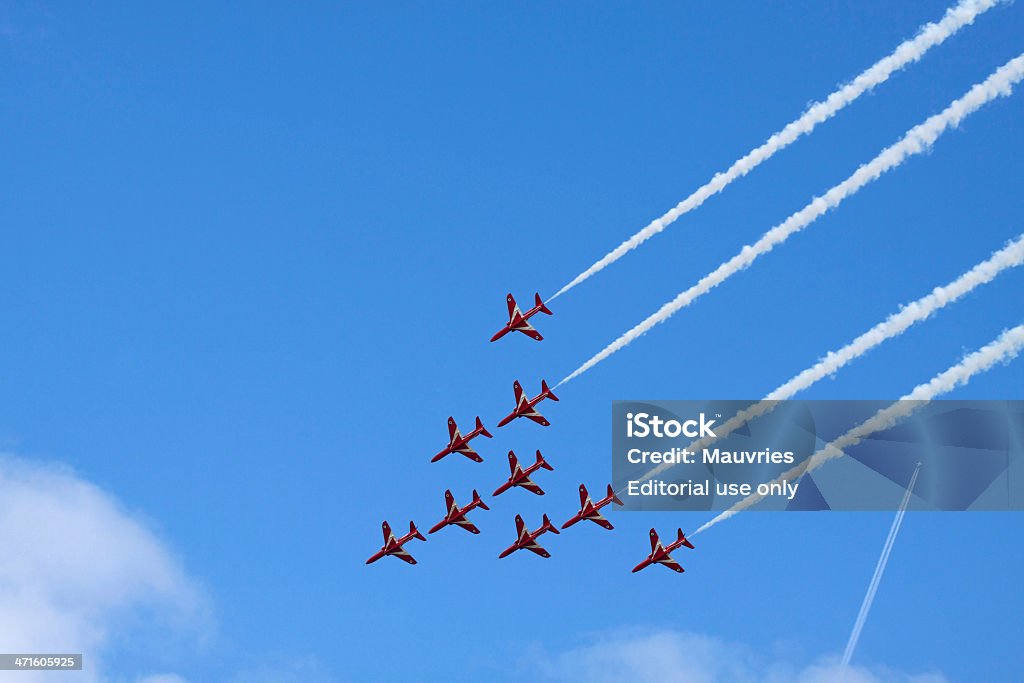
252, 255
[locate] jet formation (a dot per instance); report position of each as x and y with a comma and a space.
519, 476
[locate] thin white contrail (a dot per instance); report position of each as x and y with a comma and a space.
876, 578
906, 53
1009, 256
917, 140
1003, 349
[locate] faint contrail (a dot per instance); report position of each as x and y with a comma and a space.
906, 53
918, 139
1010, 256
1003, 349
876, 578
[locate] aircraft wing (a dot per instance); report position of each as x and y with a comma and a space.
453, 431
404, 556
538, 418
449, 501
584, 498
469, 453
528, 329
672, 564
598, 518
513, 308
467, 525
528, 484
518, 389
520, 527
536, 548
654, 540
388, 536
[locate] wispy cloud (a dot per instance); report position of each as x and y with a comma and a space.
654, 656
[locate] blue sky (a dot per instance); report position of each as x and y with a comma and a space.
252, 255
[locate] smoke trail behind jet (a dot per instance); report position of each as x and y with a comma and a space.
1004, 349
918, 139
906, 53
1009, 256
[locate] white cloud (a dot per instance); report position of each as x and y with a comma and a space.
78, 571
642, 656
305, 669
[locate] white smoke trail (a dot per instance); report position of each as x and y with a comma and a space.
906, 53
918, 139
1009, 256
1003, 349
876, 578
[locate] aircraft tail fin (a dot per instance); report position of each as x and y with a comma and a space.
479, 501
682, 537
415, 532
480, 426
548, 526
611, 494
544, 463
546, 391
539, 303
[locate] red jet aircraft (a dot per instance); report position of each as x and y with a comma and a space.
589, 509
393, 546
517, 320
521, 477
457, 443
524, 406
457, 515
660, 554
528, 539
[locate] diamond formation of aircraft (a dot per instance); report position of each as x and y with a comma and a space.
660, 554
590, 510
525, 539
525, 406
517, 320
528, 539
457, 443
520, 477
456, 515
393, 546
